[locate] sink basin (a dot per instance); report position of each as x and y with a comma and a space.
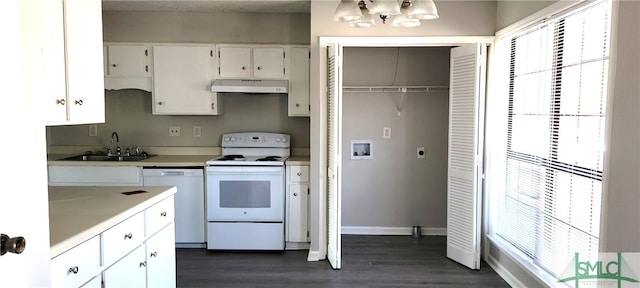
107, 158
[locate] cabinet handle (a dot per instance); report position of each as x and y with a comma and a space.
295, 194
154, 254
299, 173
163, 214
143, 264
79, 102
61, 101
128, 236
74, 270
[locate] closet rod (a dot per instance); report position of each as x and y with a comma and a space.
395, 88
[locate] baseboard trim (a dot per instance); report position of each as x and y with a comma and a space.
376, 230
314, 255
504, 273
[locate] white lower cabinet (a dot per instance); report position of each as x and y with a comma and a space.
137, 252
76, 266
296, 228
161, 264
130, 271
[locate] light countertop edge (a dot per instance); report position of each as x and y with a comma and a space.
79, 213
298, 160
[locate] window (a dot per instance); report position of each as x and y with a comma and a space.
557, 94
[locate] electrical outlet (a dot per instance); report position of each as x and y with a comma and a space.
421, 153
174, 131
386, 133
197, 131
93, 130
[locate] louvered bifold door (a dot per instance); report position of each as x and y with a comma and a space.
466, 104
334, 138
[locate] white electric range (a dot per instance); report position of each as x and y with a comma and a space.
246, 192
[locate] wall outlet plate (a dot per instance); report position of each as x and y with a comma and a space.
386, 133
197, 131
174, 131
93, 130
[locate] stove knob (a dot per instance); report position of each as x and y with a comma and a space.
284, 140
226, 139
233, 139
277, 139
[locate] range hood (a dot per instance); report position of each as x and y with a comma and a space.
250, 86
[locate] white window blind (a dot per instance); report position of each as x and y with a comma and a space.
555, 137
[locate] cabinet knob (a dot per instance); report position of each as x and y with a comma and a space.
113, 65
154, 254
244, 68
160, 103
299, 173
128, 236
74, 270
295, 194
213, 106
143, 264
146, 68
297, 105
259, 68
79, 102
14, 245
163, 214
61, 101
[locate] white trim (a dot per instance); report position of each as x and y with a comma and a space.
377, 230
314, 255
546, 13
504, 273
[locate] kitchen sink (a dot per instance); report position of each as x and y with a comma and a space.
107, 158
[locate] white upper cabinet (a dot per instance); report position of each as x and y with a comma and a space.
73, 62
299, 82
127, 66
251, 62
182, 78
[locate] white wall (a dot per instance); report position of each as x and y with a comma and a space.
395, 189
457, 18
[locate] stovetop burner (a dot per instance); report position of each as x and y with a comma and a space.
270, 158
232, 157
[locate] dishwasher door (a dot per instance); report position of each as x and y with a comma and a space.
189, 202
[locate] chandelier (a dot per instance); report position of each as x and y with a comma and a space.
403, 13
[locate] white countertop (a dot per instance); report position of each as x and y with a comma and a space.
78, 213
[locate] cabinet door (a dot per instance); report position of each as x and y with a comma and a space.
268, 62
85, 75
130, 271
161, 264
55, 98
73, 267
122, 238
297, 213
299, 82
182, 77
128, 61
235, 62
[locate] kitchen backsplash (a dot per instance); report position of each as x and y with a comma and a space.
129, 113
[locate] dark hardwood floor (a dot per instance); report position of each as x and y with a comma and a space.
367, 261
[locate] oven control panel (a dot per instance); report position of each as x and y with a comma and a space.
257, 139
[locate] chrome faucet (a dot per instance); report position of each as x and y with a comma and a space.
116, 139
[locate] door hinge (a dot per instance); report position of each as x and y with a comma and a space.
284, 55
211, 53
307, 234
309, 54
308, 191
146, 52
309, 107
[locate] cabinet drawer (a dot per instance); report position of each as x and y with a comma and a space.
72, 268
122, 238
159, 215
299, 173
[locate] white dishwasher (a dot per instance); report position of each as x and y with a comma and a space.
189, 201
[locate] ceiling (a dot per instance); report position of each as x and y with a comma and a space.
237, 6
